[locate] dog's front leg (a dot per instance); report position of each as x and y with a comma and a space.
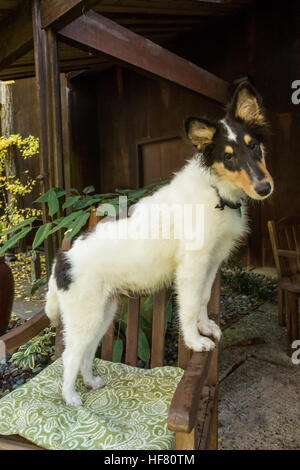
205, 325
190, 282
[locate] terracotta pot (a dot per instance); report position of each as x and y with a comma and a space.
6, 294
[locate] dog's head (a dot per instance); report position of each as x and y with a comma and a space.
234, 148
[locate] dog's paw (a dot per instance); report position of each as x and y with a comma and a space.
201, 344
73, 400
95, 383
210, 328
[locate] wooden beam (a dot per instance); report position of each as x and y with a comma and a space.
96, 33
58, 13
48, 88
16, 36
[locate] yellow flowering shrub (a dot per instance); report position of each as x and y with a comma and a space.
10, 212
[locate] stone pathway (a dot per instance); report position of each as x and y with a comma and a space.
259, 401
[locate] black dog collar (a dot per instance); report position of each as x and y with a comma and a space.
224, 202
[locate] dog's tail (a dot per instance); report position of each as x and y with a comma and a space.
52, 304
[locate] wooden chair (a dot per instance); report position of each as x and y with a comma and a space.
193, 414
285, 241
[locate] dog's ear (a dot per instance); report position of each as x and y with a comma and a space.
246, 105
200, 131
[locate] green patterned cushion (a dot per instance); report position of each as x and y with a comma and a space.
130, 412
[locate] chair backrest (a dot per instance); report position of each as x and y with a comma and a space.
133, 321
285, 236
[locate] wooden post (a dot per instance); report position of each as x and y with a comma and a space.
48, 87
11, 167
213, 373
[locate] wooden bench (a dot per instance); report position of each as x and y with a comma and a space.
285, 241
193, 413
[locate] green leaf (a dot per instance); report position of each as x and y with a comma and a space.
118, 350
60, 192
88, 190
77, 225
70, 201
14, 240
64, 222
43, 197
41, 235
39, 283
87, 201
136, 195
143, 347
31, 361
16, 227
51, 197
53, 204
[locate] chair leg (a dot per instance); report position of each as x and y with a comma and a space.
292, 321
281, 307
185, 441
213, 441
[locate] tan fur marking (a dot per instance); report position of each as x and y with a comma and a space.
240, 179
228, 149
247, 139
247, 107
200, 133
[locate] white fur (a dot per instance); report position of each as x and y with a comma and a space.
231, 135
101, 268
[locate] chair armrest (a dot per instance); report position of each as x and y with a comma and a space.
185, 403
20, 335
288, 253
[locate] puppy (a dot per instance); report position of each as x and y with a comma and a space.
209, 195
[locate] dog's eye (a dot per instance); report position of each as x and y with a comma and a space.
228, 156
252, 145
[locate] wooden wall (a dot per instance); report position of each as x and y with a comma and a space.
110, 113
132, 108
264, 45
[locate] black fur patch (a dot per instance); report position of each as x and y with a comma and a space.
62, 271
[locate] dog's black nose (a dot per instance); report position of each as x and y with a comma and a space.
263, 189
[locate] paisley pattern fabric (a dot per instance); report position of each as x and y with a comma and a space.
130, 412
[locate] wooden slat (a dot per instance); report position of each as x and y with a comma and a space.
16, 442
184, 353
20, 335
57, 13
209, 425
108, 344
185, 441
184, 406
132, 331
292, 320
99, 34
288, 253
296, 236
16, 36
158, 329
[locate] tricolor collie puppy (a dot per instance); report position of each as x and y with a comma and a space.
229, 166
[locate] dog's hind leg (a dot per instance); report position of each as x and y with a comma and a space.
82, 319
87, 361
